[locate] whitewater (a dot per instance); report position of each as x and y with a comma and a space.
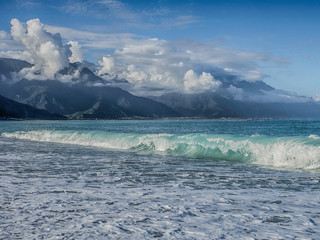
166, 179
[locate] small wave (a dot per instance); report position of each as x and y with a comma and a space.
289, 153
314, 136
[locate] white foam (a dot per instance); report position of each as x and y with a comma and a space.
314, 136
289, 153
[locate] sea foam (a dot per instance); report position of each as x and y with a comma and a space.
300, 153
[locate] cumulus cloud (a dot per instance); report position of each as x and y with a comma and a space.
106, 66
179, 66
159, 63
47, 51
194, 83
147, 63
207, 56
76, 52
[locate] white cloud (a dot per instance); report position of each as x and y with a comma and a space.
106, 65
279, 95
21, 55
123, 15
139, 50
196, 84
46, 50
180, 66
7, 43
317, 97
253, 75
271, 96
237, 93
147, 63
97, 40
76, 52
4, 35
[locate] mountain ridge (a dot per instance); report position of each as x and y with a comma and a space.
10, 109
83, 97
88, 96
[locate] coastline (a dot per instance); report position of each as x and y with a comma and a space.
159, 119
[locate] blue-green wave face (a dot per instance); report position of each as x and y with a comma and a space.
300, 153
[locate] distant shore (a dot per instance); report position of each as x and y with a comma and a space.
152, 119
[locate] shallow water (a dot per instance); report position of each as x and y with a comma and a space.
53, 189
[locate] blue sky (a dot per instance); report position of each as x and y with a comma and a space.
275, 41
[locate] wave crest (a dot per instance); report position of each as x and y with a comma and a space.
289, 153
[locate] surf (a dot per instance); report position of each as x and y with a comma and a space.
297, 153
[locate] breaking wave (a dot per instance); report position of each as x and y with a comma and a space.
281, 152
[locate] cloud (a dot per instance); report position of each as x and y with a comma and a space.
317, 97
106, 65
4, 35
46, 50
147, 63
102, 9
271, 96
237, 93
123, 15
97, 41
76, 52
197, 84
24, 4
180, 21
187, 66
39, 47
245, 64
7, 43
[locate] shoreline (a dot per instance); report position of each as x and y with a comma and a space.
159, 119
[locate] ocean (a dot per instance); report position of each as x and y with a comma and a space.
165, 179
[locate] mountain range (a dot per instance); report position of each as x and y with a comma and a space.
10, 109
82, 94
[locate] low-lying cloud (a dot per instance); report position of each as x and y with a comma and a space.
184, 66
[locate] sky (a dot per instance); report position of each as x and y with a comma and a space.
156, 42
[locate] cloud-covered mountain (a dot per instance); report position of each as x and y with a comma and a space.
82, 98
10, 66
215, 105
184, 78
148, 64
87, 96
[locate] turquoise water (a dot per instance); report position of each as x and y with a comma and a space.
282, 144
190, 179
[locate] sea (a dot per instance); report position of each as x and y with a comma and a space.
160, 179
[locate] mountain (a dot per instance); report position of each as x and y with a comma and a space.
82, 101
12, 109
85, 97
78, 93
216, 105
82, 73
8, 65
